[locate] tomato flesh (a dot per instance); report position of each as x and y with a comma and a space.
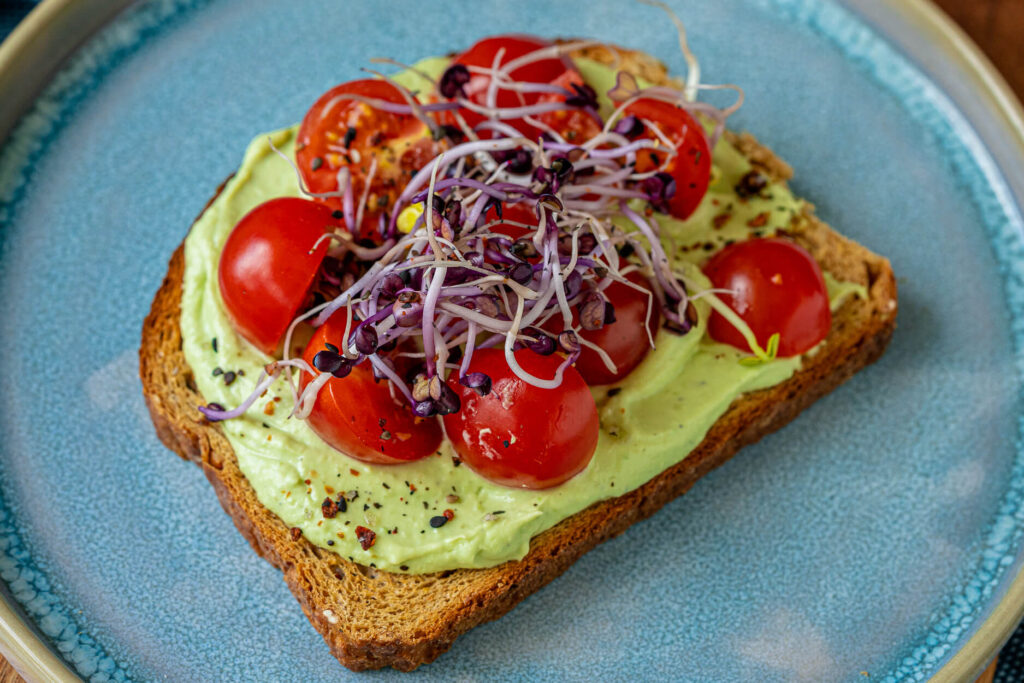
358, 416
691, 165
519, 435
268, 265
777, 288
339, 133
626, 340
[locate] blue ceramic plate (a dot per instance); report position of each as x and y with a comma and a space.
873, 536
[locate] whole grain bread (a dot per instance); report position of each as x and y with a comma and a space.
373, 619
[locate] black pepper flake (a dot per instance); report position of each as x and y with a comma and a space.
337, 214
438, 521
614, 391
229, 377
385, 485
330, 542
317, 163
505, 443
342, 504
456, 461
377, 506
265, 425
350, 135
404, 567
380, 423
217, 371
213, 343
751, 184
425, 506
366, 506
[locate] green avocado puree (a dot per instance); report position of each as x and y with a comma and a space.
660, 412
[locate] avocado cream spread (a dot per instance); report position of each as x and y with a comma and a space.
652, 419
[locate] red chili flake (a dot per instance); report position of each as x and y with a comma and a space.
354, 472
367, 537
759, 221
412, 488
329, 508
308, 482
720, 220
296, 533
449, 515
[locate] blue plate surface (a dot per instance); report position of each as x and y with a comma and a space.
872, 535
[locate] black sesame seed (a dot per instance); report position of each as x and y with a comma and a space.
438, 521
337, 214
229, 377
330, 542
614, 391
213, 343
317, 163
217, 371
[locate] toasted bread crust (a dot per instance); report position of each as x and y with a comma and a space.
372, 619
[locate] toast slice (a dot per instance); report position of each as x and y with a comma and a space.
372, 619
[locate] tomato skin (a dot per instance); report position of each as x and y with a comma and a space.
353, 413
691, 167
400, 142
482, 54
551, 433
624, 340
778, 286
266, 267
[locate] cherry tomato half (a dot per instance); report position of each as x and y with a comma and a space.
339, 133
624, 340
483, 53
358, 416
778, 287
268, 264
519, 435
690, 167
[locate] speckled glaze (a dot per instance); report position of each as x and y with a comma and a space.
872, 535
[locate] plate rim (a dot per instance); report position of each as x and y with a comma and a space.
30, 56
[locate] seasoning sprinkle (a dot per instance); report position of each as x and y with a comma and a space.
296, 533
438, 521
317, 163
229, 377
213, 343
367, 537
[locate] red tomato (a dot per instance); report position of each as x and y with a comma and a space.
690, 167
778, 287
520, 213
337, 133
482, 54
625, 340
358, 416
268, 265
575, 125
518, 435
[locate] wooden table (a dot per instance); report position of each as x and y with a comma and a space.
996, 26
